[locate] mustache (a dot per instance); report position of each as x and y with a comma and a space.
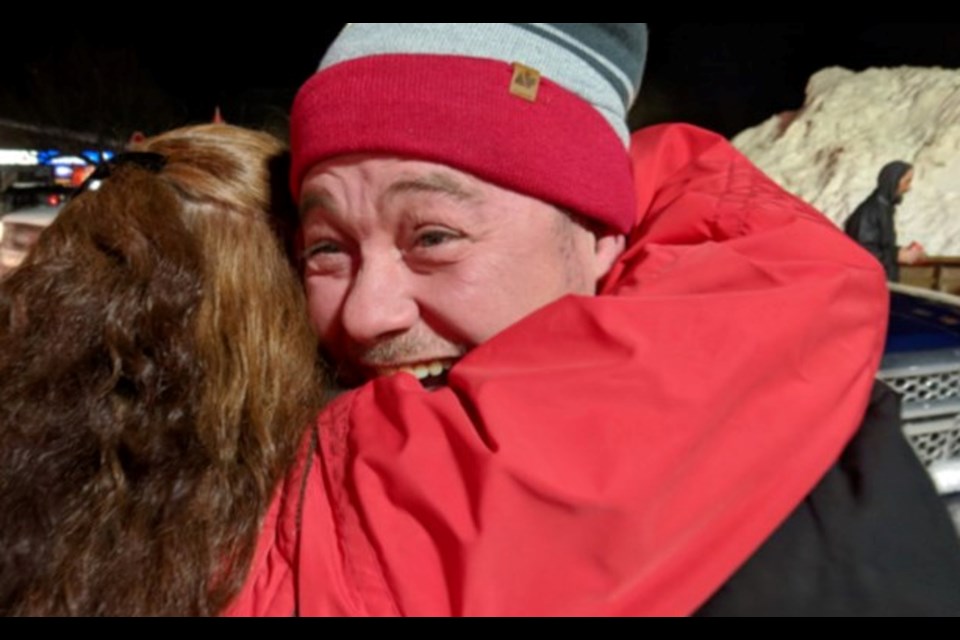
405, 349
350, 365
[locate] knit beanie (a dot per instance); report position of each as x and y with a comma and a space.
538, 108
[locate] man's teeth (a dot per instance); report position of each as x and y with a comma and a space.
421, 371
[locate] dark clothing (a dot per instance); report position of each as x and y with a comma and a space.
871, 224
873, 539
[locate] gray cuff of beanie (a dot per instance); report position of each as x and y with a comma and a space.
601, 62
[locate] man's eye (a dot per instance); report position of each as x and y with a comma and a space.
435, 237
324, 248
326, 257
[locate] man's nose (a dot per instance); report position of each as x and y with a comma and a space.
380, 303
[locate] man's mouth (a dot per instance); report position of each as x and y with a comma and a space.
430, 373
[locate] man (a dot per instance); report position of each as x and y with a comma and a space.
872, 224
599, 371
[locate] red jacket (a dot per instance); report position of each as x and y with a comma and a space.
616, 455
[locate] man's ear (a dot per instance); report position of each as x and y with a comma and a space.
608, 250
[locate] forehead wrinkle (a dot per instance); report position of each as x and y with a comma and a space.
435, 183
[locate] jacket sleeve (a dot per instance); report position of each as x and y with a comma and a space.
796, 311
624, 454
272, 585
269, 590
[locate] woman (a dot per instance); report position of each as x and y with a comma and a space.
156, 370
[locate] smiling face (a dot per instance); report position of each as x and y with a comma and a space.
408, 265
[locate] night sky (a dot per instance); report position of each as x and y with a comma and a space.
724, 76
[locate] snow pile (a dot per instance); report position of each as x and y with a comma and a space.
830, 151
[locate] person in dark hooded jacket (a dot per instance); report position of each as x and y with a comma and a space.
872, 225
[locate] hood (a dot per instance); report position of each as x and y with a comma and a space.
888, 182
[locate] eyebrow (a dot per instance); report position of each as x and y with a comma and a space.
322, 200
438, 183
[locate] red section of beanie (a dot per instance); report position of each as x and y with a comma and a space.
460, 112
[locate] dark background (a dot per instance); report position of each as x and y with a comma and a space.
724, 76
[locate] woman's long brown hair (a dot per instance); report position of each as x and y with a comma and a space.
156, 373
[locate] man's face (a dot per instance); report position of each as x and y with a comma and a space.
408, 265
906, 183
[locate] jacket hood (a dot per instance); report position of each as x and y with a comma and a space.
888, 182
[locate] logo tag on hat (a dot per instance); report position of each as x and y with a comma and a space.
525, 83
